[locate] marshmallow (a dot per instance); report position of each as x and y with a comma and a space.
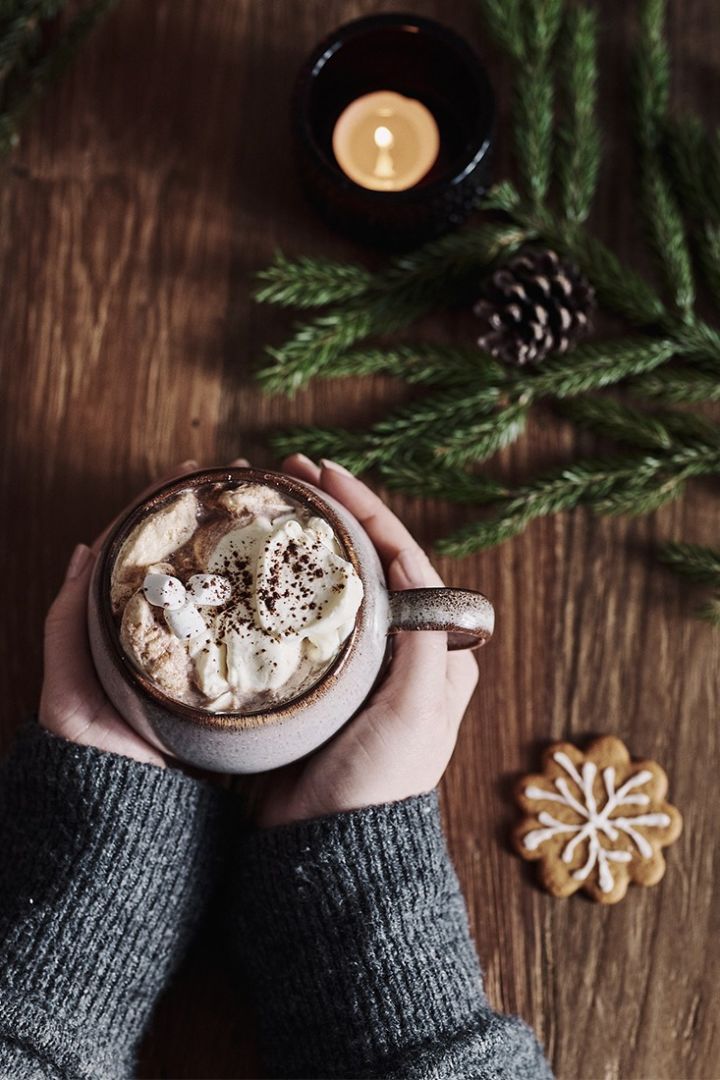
186, 622
165, 591
209, 590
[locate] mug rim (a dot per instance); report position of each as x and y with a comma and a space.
301, 492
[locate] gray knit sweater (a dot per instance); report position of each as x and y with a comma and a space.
351, 929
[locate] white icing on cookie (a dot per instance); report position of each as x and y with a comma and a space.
595, 823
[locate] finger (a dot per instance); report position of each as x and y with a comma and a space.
302, 467
179, 470
70, 680
462, 678
419, 660
240, 463
387, 532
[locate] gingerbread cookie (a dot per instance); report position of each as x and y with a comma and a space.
596, 820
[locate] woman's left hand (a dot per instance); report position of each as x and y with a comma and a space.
73, 703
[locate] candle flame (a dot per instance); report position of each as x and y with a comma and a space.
383, 137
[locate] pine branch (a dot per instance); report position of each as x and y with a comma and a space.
334, 443
698, 342
434, 271
502, 196
427, 478
534, 99
428, 364
306, 282
504, 19
19, 23
700, 564
46, 70
479, 440
579, 150
637, 482
557, 491
662, 214
596, 365
315, 346
660, 430
652, 73
617, 287
677, 385
710, 612
427, 421
696, 180
411, 286
667, 235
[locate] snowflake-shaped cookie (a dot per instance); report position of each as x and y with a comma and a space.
596, 820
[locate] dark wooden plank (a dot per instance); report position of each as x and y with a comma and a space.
152, 183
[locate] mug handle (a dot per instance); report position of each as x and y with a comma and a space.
466, 615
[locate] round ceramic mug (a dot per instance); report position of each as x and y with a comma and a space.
253, 742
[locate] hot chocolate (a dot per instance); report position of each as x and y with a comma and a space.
233, 598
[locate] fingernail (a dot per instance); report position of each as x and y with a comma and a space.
305, 460
191, 463
78, 561
333, 466
240, 462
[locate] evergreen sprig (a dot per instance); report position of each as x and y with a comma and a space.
579, 137
632, 484
26, 70
471, 406
694, 166
388, 302
700, 565
679, 385
664, 221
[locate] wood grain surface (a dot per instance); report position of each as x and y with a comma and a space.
150, 185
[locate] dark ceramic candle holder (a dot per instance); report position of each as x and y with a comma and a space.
420, 59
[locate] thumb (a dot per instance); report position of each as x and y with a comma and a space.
68, 666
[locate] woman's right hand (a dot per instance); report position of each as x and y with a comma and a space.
401, 742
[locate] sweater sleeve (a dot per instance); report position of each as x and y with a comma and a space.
104, 868
355, 934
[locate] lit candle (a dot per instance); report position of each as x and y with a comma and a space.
386, 142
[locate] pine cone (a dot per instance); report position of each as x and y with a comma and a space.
534, 306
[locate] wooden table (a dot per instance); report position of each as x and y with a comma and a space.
148, 188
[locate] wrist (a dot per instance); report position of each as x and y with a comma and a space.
106, 864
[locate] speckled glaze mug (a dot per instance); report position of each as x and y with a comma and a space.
254, 742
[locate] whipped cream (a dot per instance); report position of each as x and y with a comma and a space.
270, 605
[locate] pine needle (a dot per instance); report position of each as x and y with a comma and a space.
694, 174
534, 103
660, 430
596, 365
426, 363
678, 385
33, 82
412, 285
617, 286
305, 282
663, 219
634, 484
700, 564
505, 22
432, 479
579, 147
710, 612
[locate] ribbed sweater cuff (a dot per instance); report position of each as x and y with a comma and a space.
356, 936
104, 867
